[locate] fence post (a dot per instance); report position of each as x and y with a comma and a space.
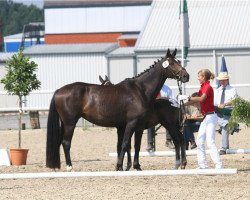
34, 119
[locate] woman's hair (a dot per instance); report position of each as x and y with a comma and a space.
207, 74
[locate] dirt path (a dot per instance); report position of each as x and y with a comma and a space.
90, 152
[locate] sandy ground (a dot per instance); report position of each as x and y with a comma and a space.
90, 152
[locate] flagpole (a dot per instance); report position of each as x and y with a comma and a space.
183, 42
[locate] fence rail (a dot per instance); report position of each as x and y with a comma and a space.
16, 109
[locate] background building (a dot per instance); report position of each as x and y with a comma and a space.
94, 21
12, 43
216, 28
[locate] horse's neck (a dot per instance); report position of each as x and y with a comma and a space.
151, 82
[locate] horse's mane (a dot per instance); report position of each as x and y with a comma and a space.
146, 70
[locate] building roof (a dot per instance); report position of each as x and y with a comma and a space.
15, 36
128, 36
92, 3
122, 51
5, 56
71, 48
213, 24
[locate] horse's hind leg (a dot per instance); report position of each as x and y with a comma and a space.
138, 136
120, 133
66, 142
125, 144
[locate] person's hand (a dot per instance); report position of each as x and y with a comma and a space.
221, 106
183, 97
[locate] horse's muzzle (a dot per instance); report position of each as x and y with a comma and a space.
184, 78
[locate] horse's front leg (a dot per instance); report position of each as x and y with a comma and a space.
176, 136
183, 152
138, 136
129, 160
125, 144
177, 154
66, 142
180, 147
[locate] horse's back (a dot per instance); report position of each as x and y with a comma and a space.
102, 105
166, 112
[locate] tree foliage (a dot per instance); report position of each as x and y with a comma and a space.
240, 113
20, 79
15, 15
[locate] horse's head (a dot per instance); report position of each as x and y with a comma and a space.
106, 81
173, 67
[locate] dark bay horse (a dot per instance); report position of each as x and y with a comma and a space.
122, 105
169, 117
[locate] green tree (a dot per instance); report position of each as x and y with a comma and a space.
240, 113
15, 15
20, 80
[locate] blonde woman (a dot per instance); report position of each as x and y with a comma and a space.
208, 125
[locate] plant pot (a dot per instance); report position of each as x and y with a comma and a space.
18, 156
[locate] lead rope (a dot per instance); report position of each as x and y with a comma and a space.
182, 112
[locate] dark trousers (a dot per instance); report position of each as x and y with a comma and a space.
190, 126
151, 135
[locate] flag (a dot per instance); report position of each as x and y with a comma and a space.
184, 27
223, 67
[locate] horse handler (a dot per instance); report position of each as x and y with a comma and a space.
207, 128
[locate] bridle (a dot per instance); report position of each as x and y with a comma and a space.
176, 75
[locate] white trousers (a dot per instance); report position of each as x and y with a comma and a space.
207, 133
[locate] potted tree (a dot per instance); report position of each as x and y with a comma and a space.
240, 113
20, 80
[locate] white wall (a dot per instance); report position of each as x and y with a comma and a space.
55, 71
237, 61
121, 68
95, 19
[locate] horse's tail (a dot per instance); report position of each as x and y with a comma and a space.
53, 137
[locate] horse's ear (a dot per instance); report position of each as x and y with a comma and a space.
168, 54
106, 78
174, 53
101, 80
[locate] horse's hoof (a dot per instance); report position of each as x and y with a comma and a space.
137, 167
118, 168
177, 164
183, 166
128, 167
69, 168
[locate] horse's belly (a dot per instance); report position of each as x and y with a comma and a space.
105, 121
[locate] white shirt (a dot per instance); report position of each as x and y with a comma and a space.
230, 94
168, 93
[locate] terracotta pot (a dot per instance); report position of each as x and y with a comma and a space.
18, 156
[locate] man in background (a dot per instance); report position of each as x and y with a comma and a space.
223, 97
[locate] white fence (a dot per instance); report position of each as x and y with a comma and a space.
37, 100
